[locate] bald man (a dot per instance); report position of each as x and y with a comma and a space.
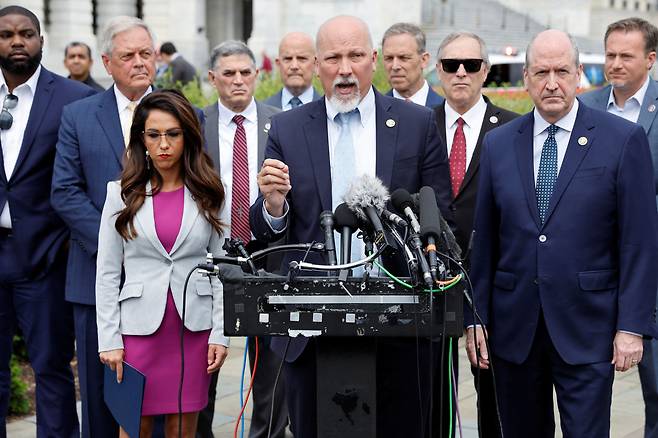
563, 262
296, 65
310, 160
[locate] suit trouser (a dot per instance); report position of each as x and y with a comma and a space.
525, 393
38, 308
97, 421
488, 425
648, 368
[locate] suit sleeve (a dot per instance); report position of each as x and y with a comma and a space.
485, 242
435, 170
68, 193
259, 226
217, 333
638, 252
109, 264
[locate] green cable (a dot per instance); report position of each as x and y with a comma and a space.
450, 401
408, 286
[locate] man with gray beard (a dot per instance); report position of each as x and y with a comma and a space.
312, 155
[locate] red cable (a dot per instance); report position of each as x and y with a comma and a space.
251, 384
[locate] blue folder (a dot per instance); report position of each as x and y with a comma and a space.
124, 399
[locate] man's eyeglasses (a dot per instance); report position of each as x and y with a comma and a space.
6, 119
470, 65
152, 136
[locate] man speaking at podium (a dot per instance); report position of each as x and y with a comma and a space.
312, 155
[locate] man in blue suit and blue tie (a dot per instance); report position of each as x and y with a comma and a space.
90, 148
33, 240
564, 259
630, 46
311, 157
405, 59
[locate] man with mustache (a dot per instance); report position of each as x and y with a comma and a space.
312, 155
563, 263
90, 149
33, 240
296, 64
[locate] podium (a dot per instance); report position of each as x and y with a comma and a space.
333, 309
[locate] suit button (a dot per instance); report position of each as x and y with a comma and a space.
453, 208
536, 281
542, 238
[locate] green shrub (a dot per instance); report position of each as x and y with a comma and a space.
18, 401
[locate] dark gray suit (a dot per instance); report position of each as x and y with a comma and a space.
275, 99
182, 71
648, 367
268, 362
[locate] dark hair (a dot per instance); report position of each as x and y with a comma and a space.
76, 44
19, 10
197, 170
168, 48
648, 30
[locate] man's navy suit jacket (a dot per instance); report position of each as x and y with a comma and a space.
409, 156
89, 154
39, 232
590, 269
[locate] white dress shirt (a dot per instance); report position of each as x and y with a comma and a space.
632, 106
12, 138
419, 97
472, 126
125, 116
562, 136
305, 97
227, 128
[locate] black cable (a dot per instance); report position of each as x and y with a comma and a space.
182, 357
420, 386
276, 382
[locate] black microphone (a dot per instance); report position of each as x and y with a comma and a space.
394, 219
243, 252
345, 223
449, 239
327, 224
402, 201
430, 226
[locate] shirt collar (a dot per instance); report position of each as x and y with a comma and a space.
366, 108
31, 83
419, 97
226, 115
305, 97
638, 96
565, 122
123, 101
471, 117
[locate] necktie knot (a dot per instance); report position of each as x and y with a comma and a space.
238, 119
344, 118
131, 106
552, 130
295, 102
460, 122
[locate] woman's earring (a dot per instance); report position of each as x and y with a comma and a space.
148, 161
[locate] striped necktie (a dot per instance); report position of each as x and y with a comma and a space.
240, 187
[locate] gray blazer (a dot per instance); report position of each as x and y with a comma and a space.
138, 307
211, 130
598, 99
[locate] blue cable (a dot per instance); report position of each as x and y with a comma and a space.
244, 366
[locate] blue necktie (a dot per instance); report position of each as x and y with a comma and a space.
547, 174
295, 102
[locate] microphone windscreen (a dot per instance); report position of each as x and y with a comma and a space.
401, 199
430, 222
344, 217
366, 191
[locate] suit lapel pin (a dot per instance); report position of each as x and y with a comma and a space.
652, 108
493, 119
582, 141
266, 129
390, 123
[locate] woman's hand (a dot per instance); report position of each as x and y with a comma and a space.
114, 358
216, 356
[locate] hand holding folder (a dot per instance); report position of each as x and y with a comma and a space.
124, 400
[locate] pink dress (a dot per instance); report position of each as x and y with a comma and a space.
157, 356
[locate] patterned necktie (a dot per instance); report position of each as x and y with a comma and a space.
240, 187
458, 158
547, 174
131, 113
295, 102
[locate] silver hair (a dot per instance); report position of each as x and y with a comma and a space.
119, 24
574, 47
484, 53
407, 29
229, 48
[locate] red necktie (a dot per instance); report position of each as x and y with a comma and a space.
240, 188
458, 158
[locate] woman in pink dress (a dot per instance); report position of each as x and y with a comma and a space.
159, 221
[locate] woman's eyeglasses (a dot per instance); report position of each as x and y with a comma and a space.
6, 119
152, 136
470, 65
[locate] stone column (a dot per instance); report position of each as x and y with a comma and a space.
70, 20
107, 9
